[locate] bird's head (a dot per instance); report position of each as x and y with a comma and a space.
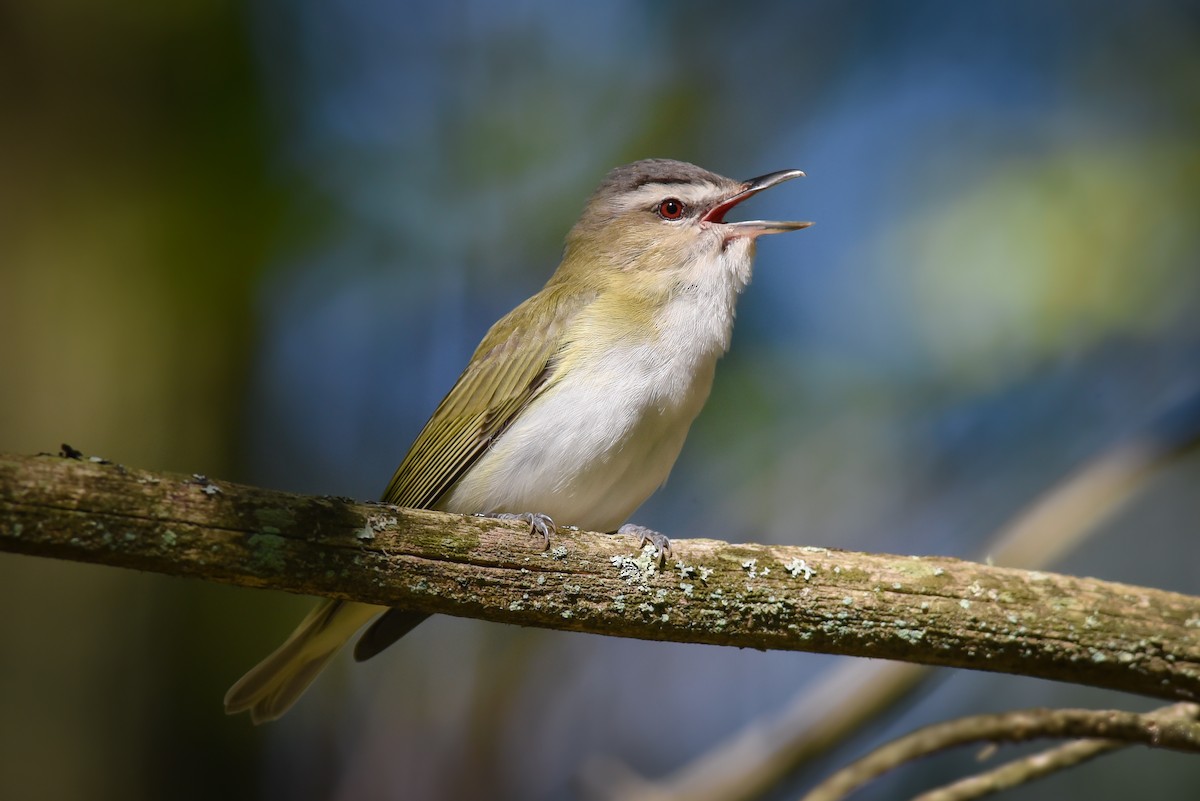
664, 221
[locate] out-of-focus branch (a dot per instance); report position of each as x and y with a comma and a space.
1023, 771
1172, 727
830, 709
1069, 511
936, 611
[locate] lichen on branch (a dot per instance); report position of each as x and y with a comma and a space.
928, 610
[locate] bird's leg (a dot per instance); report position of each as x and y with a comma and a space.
539, 523
644, 535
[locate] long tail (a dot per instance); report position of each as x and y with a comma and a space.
275, 683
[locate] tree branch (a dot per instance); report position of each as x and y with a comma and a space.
931, 610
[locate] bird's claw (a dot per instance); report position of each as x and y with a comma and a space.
539, 523
660, 541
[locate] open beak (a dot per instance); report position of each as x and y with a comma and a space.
753, 228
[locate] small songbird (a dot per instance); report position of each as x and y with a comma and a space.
576, 404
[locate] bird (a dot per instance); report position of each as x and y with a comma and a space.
575, 406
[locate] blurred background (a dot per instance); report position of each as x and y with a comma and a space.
259, 241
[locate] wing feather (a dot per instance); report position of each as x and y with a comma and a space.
510, 368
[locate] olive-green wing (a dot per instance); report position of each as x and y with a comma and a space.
514, 363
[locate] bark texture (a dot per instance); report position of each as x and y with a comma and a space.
928, 610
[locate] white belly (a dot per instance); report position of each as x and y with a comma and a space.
589, 451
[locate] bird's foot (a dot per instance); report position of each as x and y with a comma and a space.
540, 524
648, 535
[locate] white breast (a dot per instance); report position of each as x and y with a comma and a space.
597, 443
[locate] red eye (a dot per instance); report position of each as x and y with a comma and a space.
671, 209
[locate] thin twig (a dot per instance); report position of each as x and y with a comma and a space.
1172, 728
1023, 771
1035, 766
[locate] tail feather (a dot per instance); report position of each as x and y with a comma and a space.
389, 627
274, 684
